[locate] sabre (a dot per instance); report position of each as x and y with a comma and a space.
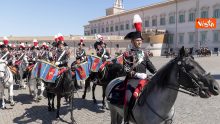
5, 55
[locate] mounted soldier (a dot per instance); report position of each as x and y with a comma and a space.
44, 53
62, 54
100, 47
135, 64
6, 56
80, 58
80, 52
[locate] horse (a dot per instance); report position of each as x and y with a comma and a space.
6, 81
33, 84
33, 88
21, 64
63, 87
155, 105
110, 72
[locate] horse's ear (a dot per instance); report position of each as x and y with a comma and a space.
182, 52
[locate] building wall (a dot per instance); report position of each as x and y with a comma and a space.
166, 9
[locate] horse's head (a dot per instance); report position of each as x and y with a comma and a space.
194, 78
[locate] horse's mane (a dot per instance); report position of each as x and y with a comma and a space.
163, 74
161, 78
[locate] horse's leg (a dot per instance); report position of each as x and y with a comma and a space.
71, 108
58, 105
11, 94
103, 96
3, 100
82, 83
85, 89
35, 92
93, 93
53, 96
49, 96
41, 90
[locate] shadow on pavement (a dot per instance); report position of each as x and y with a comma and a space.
79, 104
39, 114
23, 98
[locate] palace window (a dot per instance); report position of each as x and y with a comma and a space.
191, 37
172, 19
122, 27
107, 29
146, 23
216, 35
154, 22
116, 28
217, 13
204, 14
203, 37
181, 18
170, 38
192, 16
111, 29
181, 38
127, 27
162, 21
103, 30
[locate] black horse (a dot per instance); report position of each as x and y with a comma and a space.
110, 72
64, 87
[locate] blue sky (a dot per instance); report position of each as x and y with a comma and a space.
48, 17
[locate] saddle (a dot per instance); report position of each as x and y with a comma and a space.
117, 93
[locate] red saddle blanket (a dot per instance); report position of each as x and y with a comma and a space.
62, 70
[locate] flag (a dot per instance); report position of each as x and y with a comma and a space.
82, 71
118, 60
94, 63
45, 71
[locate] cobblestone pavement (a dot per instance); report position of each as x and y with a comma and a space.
189, 110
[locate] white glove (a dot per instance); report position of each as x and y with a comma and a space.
141, 75
105, 56
57, 63
34, 59
4, 61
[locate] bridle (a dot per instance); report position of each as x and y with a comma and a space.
181, 88
195, 81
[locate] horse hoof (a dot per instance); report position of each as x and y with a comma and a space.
36, 100
83, 97
40, 98
3, 108
22, 87
12, 103
53, 109
94, 101
49, 109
